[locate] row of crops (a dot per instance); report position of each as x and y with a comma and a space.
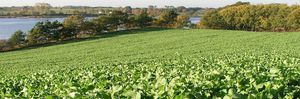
240, 76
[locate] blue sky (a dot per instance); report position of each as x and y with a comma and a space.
140, 3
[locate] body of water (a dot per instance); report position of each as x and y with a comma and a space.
9, 25
195, 20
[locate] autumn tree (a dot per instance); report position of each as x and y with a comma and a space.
263, 17
153, 11
73, 25
211, 19
293, 19
3, 45
42, 8
181, 21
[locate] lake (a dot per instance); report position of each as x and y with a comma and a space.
195, 20
9, 25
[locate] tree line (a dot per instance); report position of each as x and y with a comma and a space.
245, 16
46, 10
77, 26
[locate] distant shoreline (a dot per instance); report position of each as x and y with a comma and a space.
55, 16
46, 16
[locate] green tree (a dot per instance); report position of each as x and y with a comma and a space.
211, 19
143, 19
17, 39
131, 22
127, 9
167, 18
37, 35
100, 23
113, 21
54, 30
44, 32
89, 28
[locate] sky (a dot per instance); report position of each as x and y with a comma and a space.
140, 3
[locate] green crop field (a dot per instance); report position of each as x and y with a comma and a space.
158, 63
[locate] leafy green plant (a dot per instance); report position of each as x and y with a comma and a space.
158, 64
